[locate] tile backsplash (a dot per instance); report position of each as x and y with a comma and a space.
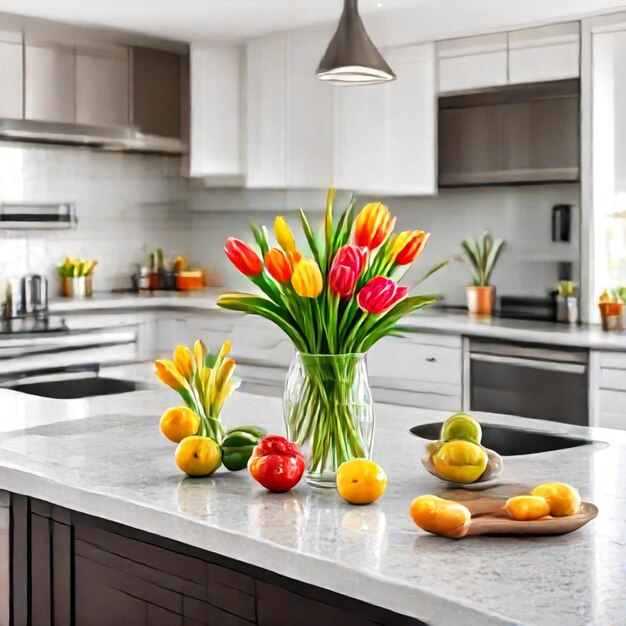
127, 204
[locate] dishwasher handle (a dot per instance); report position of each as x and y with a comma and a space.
552, 366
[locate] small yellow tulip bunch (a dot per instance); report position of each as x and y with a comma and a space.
203, 381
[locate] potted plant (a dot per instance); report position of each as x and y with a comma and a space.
482, 255
334, 301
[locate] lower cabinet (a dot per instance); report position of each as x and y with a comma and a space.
66, 568
608, 389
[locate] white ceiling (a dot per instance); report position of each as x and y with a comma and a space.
234, 20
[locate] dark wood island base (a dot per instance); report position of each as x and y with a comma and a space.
61, 567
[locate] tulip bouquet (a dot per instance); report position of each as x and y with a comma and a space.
203, 381
334, 304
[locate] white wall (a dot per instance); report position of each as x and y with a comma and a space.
521, 215
126, 204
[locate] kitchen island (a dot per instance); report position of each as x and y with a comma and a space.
102, 510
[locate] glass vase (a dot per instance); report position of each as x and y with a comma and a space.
328, 412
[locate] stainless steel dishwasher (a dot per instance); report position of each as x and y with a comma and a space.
541, 382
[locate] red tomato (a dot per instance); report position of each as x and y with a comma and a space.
276, 463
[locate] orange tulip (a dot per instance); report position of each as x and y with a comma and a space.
408, 245
373, 225
307, 279
243, 257
278, 265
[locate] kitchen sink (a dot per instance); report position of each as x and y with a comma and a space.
510, 440
78, 387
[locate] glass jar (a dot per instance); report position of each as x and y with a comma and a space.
327, 406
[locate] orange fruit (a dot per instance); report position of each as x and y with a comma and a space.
437, 515
561, 498
360, 481
198, 456
179, 422
527, 507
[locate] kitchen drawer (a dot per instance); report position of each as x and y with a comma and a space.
613, 360
612, 402
402, 359
420, 400
613, 379
612, 420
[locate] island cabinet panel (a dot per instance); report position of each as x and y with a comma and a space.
68, 568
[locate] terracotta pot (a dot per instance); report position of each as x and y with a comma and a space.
480, 300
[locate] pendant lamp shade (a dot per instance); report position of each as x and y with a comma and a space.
351, 58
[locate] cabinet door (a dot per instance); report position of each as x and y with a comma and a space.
473, 62
102, 85
11, 75
266, 111
309, 113
359, 158
545, 53
215, 104
49, 83
156, 80
411, 118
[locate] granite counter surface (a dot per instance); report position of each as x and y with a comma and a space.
106, 457
427, 320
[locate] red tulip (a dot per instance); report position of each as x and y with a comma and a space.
278, 265
380, 294
346, 269
409, 245
243, 257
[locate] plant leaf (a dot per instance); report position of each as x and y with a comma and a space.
310, 237
260, 235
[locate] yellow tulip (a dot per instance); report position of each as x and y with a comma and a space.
224, 373
283, 235
168, 373
184, 362
307, 279
199, 353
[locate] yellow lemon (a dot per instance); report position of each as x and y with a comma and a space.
527, 507
360, 481
561, 498
438, 516
460, 461
198, 456
179, 422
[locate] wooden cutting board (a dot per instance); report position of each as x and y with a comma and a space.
489, 517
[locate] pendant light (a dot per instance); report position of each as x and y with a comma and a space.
351, 58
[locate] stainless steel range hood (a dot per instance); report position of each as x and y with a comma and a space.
66, 133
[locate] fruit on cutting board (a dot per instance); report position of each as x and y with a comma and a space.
276, 463
198, 456
562, 499
460, 461
439, 516
527, 507
179, 422
461, 427
360, 481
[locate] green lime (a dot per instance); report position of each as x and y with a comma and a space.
461, 427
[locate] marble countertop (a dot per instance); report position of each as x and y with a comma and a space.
106, 457
429, 319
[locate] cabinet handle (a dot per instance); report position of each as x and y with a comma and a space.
431, 359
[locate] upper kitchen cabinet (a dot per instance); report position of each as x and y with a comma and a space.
215, 146
309, 112
545, 53
50, 88
11, 74
156, 92
411, 118
102, 85
266, 128
472, 62
385, 135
